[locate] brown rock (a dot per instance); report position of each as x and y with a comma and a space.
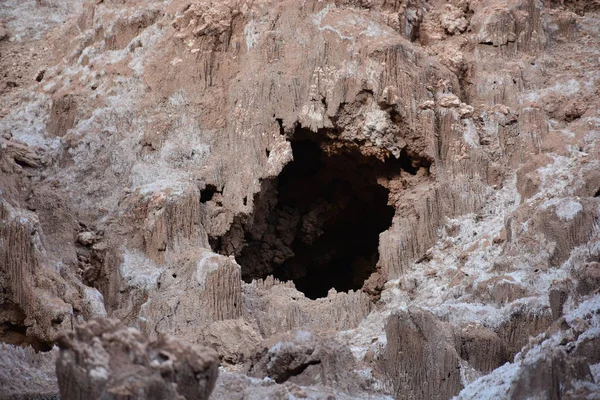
453, 20
20, 152
62, 115
481, 348
559, 293
233, 339
500, 289
549, 376
528, 179
373, 286
516, 331
104, 359
277, 307
212, 284
588, 279
420, 360
37, 292
305, 359
496, 27
180, 116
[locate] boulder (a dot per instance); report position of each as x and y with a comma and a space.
103, 359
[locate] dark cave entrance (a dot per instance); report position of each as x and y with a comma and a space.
342, 211
318, 222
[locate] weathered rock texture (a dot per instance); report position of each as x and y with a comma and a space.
420, 360
26, 374
305, 360
103, 359
560, 364
410, 177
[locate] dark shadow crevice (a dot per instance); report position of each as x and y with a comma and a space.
13, 329
207, 193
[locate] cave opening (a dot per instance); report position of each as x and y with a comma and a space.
318, 222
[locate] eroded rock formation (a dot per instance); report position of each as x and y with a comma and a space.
358, 199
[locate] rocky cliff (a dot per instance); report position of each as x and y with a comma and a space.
343, 198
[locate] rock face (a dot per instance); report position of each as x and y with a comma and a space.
26, 374
419, 359
559, 364
104, 359
348, 198
305, 360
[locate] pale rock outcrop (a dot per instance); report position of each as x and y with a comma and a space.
20, 153
554, 374
453, 19
26, 374
172, 222
555, 225
105, 359
200, 287
587, 278
277, 307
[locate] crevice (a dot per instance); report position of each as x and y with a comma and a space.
14, 331
216, 243
280, 123
22, 163
296, 371
573, 115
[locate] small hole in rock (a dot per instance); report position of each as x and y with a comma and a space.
207, 193
268, 152
407, 164
597, 193
245, 201
40, 76
174, 275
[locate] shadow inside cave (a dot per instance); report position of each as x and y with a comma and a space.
318, 222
